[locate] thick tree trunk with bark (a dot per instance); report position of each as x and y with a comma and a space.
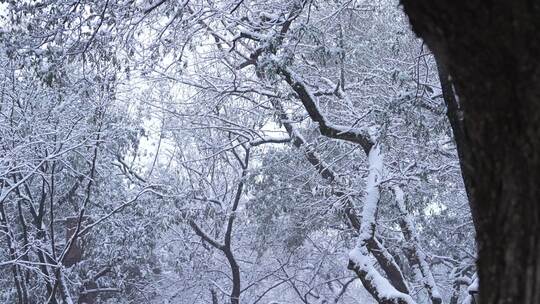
490, 52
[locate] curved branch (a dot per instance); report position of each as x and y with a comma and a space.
327, 129
203, 235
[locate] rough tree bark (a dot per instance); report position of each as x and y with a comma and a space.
490, 51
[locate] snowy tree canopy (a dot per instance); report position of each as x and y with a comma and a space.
226, 151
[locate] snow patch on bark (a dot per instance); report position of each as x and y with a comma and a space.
371, 199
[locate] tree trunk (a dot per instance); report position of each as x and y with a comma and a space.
235, 270
491, 50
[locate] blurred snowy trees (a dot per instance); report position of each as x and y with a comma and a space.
226, 152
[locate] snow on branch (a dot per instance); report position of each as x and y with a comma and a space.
359, 259
377, 285
381, 254
328, 129
371, 199
269, 140
417, 256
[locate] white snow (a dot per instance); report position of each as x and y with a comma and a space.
385, 290
371, 199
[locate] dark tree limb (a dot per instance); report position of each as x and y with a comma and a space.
327, 129
226, 247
